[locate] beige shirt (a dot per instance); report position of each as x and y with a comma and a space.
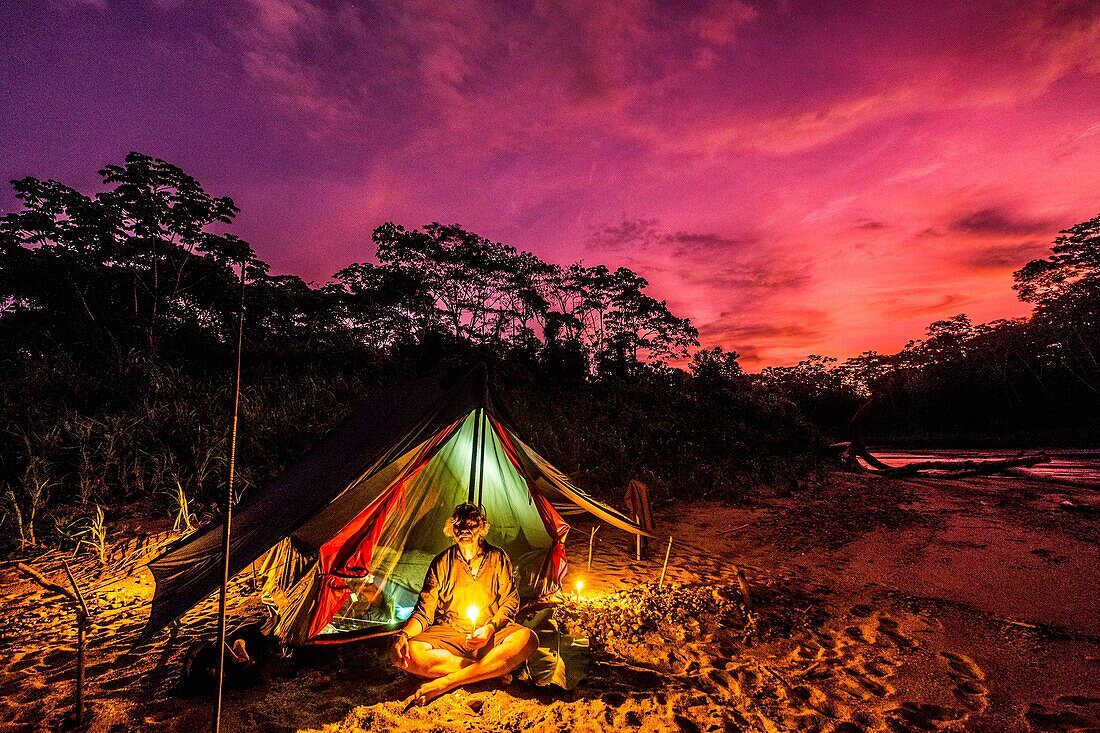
450, 588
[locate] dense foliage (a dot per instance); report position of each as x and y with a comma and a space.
1013, 382
118, 316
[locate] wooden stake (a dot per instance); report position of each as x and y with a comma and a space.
591, 539
665, 566
81, 635
637, 498
81, 623
743, 584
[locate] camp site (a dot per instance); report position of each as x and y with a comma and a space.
721, 366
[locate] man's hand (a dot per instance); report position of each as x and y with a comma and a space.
401, 650
480, 637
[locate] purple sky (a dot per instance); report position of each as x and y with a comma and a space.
796, 177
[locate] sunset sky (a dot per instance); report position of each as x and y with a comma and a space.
795, 177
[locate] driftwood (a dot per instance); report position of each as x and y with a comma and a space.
1052, 479
971, 467
855, 454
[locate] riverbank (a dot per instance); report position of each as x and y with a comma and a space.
877, 604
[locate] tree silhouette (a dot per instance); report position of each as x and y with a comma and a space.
1065, 287
129, 267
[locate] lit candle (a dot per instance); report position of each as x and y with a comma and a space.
580, 586
472, 613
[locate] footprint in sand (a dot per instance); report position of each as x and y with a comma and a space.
888, 627
863, 685
727, 686
832, 646
1076, 713
918, 716
969, 681
860, 634
817, 700
810, 651
58, 657
867, 652
613, 699
23, 664
879, 668
847, 727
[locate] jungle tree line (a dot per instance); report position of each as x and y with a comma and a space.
1012, 382
118, 312
136, 269
118, 309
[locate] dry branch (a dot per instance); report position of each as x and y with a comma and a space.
48, 585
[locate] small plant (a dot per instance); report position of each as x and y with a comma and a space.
184, 518
24, 507
205, 461
16, 513
93, 532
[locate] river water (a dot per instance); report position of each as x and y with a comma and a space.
1066, 465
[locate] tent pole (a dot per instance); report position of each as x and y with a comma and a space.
473, 463
481, 463
229, 514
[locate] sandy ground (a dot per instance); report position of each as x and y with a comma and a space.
878, 605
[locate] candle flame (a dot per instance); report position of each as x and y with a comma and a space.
580, 585
472, 613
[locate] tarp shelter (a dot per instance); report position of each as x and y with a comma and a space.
346, 535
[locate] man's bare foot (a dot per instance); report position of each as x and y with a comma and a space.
428, 692
506, 679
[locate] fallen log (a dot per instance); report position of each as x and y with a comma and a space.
969, 467
857, 455
855, 451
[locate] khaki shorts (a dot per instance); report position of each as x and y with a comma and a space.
448, 638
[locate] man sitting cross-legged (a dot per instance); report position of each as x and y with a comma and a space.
469, 579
